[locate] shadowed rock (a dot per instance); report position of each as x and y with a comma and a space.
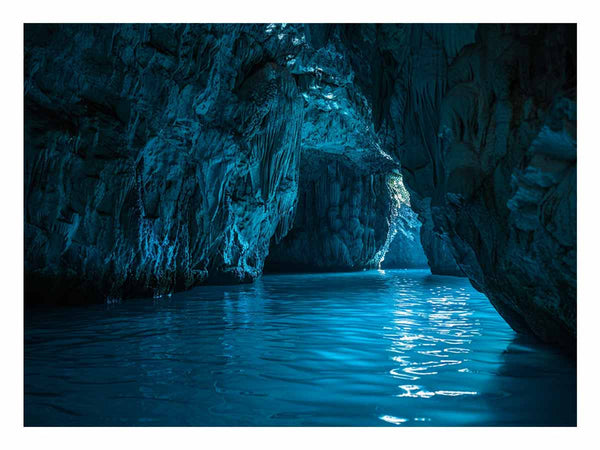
484, 126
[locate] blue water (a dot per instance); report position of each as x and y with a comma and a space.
397, 348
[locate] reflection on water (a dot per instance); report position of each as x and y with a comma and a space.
398, 348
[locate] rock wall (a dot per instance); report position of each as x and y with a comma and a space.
345, 203
483, 120
341, 220
156, 157
508, 122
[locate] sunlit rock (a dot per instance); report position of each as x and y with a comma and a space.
404, 249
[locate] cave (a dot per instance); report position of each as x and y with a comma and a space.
398, 199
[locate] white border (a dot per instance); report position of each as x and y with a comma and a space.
300, 11
11, 191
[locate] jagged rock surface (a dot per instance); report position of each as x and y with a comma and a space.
483, 120
508, 147
343, 217
155, 156
341, 220
405, 250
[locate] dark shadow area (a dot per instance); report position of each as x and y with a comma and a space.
534, 373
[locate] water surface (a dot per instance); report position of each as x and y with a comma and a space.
394, 347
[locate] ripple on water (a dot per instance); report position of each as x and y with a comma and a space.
368, 348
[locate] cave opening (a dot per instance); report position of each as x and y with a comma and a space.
348, 221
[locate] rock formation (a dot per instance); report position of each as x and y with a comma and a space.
155, 156
508, 150
345, 202
437, 245
483, 120
158, 157
405, 250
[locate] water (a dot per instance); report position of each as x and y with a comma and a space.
396, 348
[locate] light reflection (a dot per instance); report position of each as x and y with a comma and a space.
414, 391
394, 420
429, 340
323, 350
